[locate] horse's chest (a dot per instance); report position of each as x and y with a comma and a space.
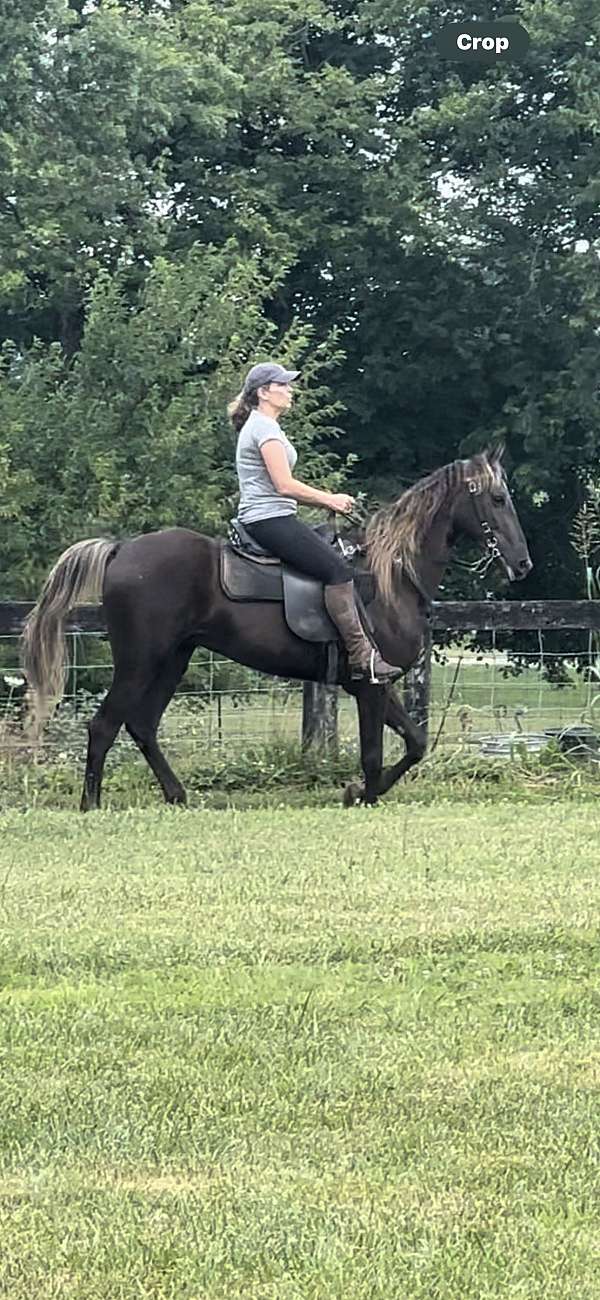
401, 637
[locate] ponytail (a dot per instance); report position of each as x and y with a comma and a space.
239, 409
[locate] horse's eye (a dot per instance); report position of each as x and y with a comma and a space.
498, 499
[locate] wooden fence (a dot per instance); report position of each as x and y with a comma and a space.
319, 717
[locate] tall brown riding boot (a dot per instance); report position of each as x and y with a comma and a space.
363, 659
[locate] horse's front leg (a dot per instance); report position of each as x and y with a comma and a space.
396, 717
371, 709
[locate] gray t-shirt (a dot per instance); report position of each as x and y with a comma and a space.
259, 498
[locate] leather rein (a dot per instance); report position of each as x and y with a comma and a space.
479, 568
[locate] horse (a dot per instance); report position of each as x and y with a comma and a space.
163, 595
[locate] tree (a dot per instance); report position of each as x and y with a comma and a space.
89, 98
420, 218
132, 435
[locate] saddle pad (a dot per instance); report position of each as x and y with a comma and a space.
304, 606
243, 579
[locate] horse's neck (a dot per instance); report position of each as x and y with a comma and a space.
428, 574
432, 558
399, 623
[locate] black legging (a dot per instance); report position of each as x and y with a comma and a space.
299, 546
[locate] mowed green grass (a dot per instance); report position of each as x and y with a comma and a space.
300, 1053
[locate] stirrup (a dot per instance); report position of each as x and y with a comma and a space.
358, 672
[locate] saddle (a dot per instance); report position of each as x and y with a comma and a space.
249, 572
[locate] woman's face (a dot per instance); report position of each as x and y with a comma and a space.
278, 395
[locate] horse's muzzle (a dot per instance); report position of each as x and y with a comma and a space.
524, 566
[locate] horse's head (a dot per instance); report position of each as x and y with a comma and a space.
484, 511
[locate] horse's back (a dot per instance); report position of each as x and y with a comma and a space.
160, 551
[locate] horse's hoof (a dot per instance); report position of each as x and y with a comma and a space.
353, 795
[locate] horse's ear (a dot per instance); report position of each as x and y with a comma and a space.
495, 452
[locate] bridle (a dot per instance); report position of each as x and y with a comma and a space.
493, 552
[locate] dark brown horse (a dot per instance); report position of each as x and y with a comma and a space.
162, 597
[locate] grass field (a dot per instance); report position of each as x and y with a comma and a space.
300, 1053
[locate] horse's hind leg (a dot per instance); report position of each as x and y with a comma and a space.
129, 684
142, 722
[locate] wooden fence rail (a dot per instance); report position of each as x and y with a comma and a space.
447, 616
319, 722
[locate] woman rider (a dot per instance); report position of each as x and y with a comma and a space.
268, 507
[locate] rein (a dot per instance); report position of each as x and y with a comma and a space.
350, 549
479, 568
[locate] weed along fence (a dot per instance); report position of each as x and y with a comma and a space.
481, 698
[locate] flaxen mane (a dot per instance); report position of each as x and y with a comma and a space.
396, 533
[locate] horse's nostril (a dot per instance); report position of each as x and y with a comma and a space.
525, 565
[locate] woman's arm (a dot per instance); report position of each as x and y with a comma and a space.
285, 485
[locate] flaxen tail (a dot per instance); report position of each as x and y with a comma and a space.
77, 577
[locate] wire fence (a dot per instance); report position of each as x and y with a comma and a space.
481, 700
489, 703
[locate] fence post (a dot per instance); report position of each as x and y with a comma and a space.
319, 715
417, 684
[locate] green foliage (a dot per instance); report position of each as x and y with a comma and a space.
189, 187
134, 435
267, 774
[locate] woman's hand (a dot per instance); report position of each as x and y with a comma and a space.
341, 503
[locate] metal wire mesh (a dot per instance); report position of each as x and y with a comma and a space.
488, 701
478, 700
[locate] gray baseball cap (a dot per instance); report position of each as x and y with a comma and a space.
268, 372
